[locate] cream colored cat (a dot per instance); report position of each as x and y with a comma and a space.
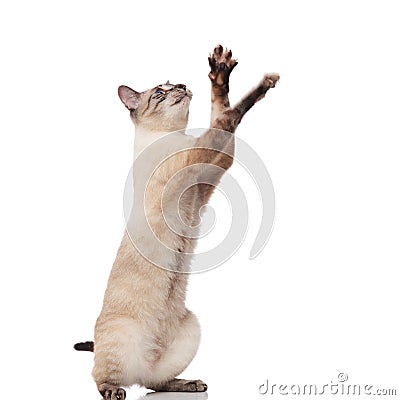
145, 335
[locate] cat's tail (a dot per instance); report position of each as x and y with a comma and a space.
84, 346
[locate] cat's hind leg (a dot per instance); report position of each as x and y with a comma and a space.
176, 358
111, 392
181, 385
119, 359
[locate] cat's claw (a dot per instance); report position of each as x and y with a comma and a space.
221, 64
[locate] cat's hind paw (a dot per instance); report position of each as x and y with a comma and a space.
221, 64
196, 386
114, 394
180, 385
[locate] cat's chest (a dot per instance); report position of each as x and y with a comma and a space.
158, 158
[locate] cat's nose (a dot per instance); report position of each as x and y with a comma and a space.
180, 86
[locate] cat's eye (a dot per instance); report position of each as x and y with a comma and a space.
159, 91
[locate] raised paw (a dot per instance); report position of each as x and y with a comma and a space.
114, 394
270, 80
221, 64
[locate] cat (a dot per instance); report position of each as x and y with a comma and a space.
145, 335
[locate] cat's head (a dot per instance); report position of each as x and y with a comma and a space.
162, 108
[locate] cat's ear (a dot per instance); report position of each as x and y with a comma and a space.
129, 97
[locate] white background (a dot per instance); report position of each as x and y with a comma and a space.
323, 296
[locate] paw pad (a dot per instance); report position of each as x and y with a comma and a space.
221, 64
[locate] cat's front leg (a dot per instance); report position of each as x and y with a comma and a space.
221, 64
222, 115
216, 146
256, 94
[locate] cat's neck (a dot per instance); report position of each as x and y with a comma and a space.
144, 137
